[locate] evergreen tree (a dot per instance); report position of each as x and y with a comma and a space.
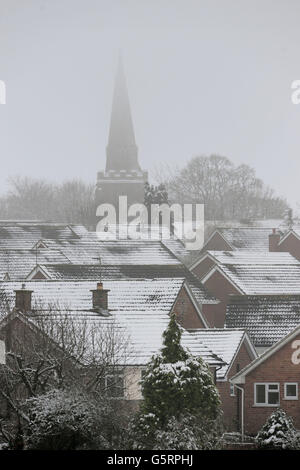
277, 432
155, 194
175, 385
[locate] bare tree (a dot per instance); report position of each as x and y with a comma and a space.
54, 350
228, 192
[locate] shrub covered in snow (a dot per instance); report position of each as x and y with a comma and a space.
277, 432
61, 420
188, 433
177, 389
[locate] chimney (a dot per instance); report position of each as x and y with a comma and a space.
100, 297
23, 299
274, 239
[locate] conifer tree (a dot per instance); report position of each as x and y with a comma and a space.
277, 432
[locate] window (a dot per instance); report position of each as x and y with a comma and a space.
114, 385
232, 390
291, 391
266, 394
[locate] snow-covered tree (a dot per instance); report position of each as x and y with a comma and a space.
175, 386
68, 420
175, 382
188, 433
277, 432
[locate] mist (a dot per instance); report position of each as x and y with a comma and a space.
204, 77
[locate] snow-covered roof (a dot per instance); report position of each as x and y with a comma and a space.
122, 271
86, 251
132, 295
252, 257
239, 378
18, 263
264, 279
24, 235
138, 333
247, 238
266, 318
225, 343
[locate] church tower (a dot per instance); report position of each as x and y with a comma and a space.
123, 175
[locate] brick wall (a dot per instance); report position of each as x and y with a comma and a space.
231, 404
186, 311
292, 245
217, 243
203, 267
218, 285
278, 368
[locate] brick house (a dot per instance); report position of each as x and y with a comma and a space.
254, 239
139, 310
271, 381
266, 319
237, 351
249, 274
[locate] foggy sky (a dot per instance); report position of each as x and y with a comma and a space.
203, 77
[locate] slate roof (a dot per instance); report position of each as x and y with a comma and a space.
138, 308
252, 257
29, 233
148, 295
247, 238
224, 342
97, 272
138, 332
86, 251
18, 263
264, 279
266, 318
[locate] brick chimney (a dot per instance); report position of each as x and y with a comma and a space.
23, 299
274, 239
100, 297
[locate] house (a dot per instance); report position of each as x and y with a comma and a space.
275, 274
137, 311
266, 319
210, 259
254, 239
270, 381
238, 238
235, 348
203, 300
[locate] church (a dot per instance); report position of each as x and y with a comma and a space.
123, 175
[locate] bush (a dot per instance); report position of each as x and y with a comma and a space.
278, 432
61, 420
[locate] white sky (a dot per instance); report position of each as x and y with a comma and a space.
204, 76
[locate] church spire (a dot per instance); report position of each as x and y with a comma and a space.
121, 151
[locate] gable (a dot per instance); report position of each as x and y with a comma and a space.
187, 313
283, 365
286, 353
216, 243
220, 286
291, 244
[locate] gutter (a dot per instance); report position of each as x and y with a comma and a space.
242, 414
